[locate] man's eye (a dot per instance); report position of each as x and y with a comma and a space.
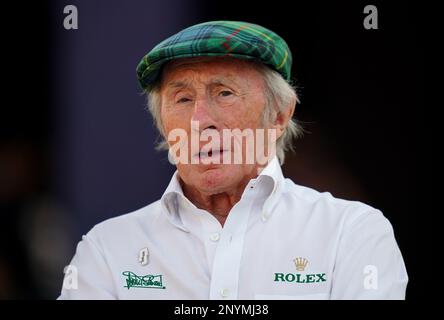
183, 100
225, 93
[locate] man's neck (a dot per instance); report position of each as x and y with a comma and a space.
219, 204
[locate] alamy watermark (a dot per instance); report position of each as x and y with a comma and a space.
71, 20
70, 281
370, 277
221, 147
371, 20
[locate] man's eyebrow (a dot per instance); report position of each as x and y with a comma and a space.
177, 84
223, 81
217, 81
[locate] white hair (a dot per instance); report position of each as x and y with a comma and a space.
280, 96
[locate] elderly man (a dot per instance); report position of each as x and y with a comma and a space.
229, 225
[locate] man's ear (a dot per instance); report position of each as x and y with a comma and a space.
282, 119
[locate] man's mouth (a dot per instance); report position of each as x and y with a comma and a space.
210, 153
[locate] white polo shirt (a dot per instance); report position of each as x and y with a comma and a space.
280, 241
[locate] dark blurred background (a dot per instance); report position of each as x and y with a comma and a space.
77, 146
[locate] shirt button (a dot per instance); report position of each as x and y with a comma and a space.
265, 216
224, 292
214, 236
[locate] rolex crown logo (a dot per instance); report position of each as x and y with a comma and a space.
300, 263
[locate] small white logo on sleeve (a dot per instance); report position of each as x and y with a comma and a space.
371, 277
144, 255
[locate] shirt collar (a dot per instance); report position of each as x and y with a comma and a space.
271, 174
169, 201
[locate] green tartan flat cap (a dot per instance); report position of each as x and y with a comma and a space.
218, 39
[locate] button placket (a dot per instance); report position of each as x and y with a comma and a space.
224, 293
228, 253
215, 236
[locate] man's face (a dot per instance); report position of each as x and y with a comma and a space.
219, 94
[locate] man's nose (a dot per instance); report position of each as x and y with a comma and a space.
204, 114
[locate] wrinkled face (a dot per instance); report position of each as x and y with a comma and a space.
219, 94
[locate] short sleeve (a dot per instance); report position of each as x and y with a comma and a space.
369, 264
89, 272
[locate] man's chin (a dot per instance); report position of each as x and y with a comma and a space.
215, 178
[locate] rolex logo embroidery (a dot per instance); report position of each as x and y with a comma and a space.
300, 276
300, 263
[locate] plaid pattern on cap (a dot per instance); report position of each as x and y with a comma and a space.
219, 39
